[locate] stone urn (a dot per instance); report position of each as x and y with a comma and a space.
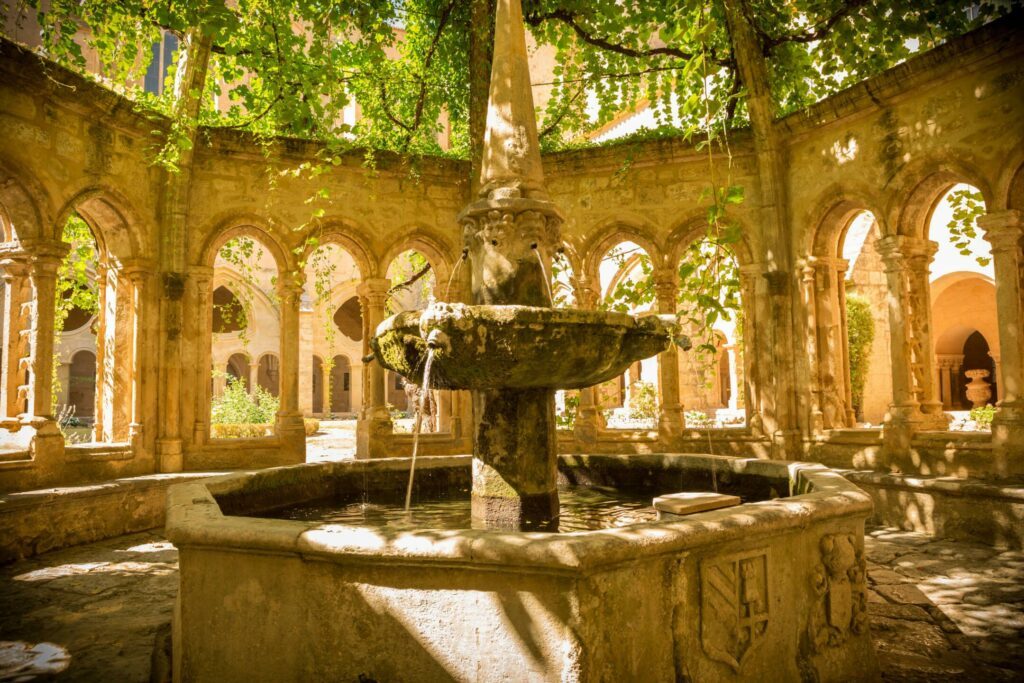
978, 390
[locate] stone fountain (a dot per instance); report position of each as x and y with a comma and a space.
772, 589
510, 347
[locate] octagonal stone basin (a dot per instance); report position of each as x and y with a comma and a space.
518, 347
771, 590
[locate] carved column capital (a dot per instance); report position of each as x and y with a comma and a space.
374, 290
900, 252
1003, 229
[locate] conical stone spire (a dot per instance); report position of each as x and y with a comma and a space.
511, 154
511, 231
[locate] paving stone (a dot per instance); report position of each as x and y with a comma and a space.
911, 612
904, 593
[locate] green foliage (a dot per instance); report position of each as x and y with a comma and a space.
236, 405
635, 287
409, 272
967, 206
291, 67
643, 401
240, 431
698, 419
860, 330
566, 419
982, 416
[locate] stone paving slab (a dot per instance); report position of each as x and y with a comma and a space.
939, 611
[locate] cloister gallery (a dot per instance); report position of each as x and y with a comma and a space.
169, 322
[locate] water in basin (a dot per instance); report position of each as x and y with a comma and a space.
583, 508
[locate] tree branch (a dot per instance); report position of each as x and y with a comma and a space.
819, 31
571, 20
408, 283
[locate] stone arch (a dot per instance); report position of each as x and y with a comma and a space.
268, 373
347, 235
114, 223
24, 206
831, 219
435, 249
1010, 187
691, 229
918, 189
613, 233
246, 225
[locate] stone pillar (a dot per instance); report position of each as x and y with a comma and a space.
290, 428
374, 426
750, 276
945, 368
17, 322
201, 280
139, 275
1005, 232
671, 420
831, 375
102, 406
356, 385
809, 296
589, 420
169, 443
124, 351
997, 362
307, 320
735, 400
914, 405
43, 276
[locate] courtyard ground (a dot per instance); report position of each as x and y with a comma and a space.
940, 611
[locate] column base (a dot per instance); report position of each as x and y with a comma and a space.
1008, 438
169, 455
291, 431
528, 512
373, 438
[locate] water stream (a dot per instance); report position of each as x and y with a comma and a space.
543, 270
451, 278
420, 409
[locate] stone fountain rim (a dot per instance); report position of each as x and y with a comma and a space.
194, 520
513, 313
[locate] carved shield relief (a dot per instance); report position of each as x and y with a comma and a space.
733, 605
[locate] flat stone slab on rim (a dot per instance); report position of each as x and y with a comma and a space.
688, 503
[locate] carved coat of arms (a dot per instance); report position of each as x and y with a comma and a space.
733, 605
839, 582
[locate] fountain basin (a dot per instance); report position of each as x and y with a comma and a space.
767, 590
518, 347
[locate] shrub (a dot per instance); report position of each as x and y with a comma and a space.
240, 431
860, 331
983, 416
236, 405
696, 419
643, 403
312, 425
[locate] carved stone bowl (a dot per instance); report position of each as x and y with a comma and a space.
519, 347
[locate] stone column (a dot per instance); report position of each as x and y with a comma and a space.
735, 400
43, 275
997, 362
124, 350
589, 420
307, 320
671, 420
201, 280
914, 405
750, 275
374, 426
102, 407
809, 295
832, 371
139, 276
1005, 232
945, 367
841, 338
17, 322
290, 428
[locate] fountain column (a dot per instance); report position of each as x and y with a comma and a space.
511, 233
